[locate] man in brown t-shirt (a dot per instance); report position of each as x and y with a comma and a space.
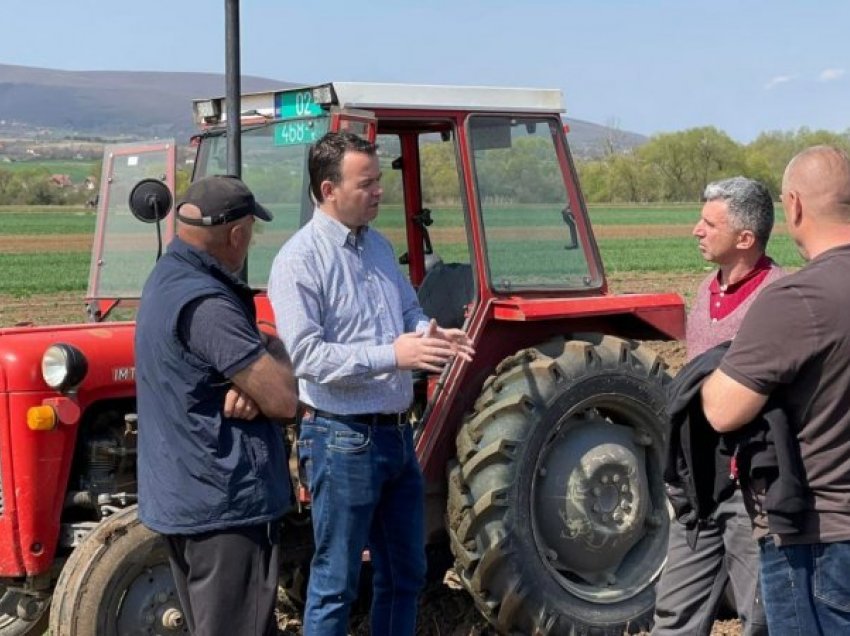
794, 344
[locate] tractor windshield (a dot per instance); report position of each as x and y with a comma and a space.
529, 205
274, 166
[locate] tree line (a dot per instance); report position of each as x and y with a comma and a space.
33, 186
670, 167
677, 166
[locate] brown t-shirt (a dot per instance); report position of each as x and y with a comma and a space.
795, 342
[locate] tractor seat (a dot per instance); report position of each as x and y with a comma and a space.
445, 292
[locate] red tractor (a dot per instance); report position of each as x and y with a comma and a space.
542, 457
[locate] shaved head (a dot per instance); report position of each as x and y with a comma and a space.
821, 176
205, 237
218, 240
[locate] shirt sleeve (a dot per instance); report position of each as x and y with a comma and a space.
217, 330
295, 292
776, 338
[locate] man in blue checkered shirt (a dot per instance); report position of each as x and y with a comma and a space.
355, 330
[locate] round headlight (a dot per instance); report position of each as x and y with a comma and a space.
63, 367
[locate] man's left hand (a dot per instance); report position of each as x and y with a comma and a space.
461, 344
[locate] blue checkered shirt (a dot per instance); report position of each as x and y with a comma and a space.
340, 301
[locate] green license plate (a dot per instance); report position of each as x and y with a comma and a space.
304, 131
298, 104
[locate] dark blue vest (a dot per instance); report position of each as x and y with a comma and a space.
198, 470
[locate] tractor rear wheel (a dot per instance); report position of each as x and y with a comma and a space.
557, 514
117, 583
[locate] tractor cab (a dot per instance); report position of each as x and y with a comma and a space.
480, 197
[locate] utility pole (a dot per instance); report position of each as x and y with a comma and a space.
233, 88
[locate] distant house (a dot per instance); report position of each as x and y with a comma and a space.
61, 180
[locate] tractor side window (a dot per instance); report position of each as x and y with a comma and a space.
441, 194
448, 285
390, 221
532, 223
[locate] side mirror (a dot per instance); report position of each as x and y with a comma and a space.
150, 200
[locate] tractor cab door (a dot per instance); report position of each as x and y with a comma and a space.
124, 249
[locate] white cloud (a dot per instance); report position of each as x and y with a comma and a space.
830, 74
779, 79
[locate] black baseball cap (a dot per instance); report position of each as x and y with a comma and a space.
221, 198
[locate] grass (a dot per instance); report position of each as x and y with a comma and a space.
19, 219
31, 272
677, 255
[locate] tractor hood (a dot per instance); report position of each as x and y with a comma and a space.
108, 348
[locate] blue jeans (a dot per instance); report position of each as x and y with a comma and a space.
367, 491
806, 588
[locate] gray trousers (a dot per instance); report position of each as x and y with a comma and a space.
227, 580
692, 583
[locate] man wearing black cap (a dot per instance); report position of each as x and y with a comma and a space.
211, 460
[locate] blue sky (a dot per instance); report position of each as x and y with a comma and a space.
646, 66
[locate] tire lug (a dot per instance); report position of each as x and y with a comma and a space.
597, 491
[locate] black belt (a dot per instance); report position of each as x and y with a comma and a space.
365, 419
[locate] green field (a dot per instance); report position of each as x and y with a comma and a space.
31, 268
24, 275
28, 219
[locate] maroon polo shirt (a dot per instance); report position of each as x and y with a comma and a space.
726, 298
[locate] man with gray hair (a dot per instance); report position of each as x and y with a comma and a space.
733, 231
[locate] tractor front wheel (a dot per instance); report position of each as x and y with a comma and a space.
557, 513
117, 583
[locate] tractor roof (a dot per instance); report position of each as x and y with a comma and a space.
359, 95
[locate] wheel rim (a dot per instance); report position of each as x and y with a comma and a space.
596, 519
149, 604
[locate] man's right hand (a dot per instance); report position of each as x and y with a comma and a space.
418, 351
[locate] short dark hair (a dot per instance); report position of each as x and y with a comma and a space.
750, 205
325, 159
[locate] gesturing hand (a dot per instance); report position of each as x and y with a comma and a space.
457, 338
421, 351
